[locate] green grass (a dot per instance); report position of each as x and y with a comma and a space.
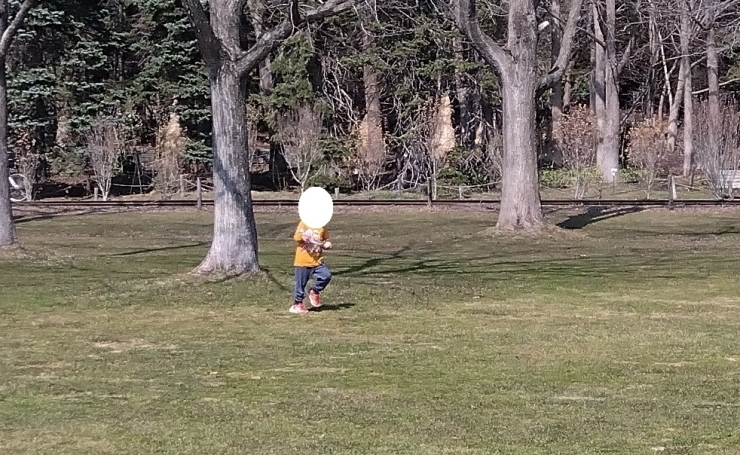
621, 337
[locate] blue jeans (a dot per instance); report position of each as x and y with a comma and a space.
303, 274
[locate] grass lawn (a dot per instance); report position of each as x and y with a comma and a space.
621, 337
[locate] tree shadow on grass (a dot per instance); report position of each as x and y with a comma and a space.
19, 219
654, 266
332, 307
594, 214
372, 262
152, 250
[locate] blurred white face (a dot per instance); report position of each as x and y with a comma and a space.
315, 207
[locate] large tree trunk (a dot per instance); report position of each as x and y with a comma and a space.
610, 158
713, 86
520, 196
649, 99
688, 120
464, 95
234, 246
8, 31
674, 110
7, 228
521, 207
598, 84
681, 85
556, 100
372, 143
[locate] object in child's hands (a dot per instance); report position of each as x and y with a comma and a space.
315, 207
311, 240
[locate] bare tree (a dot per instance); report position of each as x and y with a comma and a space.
688, 124
678, 98
516, 63
299, 131
718, 156
372, 148
8, 31
556, 99
234, 248
106, 142
598, 87
607, 68
712, 83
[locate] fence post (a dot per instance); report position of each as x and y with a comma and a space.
199, 191
336, 192
182, 184
95, 193
459, 192
671, 188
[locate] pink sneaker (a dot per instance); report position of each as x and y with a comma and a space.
298, 308
314, 298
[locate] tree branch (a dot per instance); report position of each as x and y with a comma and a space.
467, 21
627, 54
9, 33
722, 84
210, 46
566, 47
271, 40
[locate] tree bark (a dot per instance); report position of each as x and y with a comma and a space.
520, 195
257, 15
598, 84
373, 143
649, 100
234, 248
465, 105
610, 158
713, 86
674, 110
556, 100
688, 118
7, 228
8, 235
521, 207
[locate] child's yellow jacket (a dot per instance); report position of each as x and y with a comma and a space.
306, 254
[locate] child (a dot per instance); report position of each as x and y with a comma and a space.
309, 261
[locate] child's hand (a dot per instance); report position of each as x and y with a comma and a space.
327, 245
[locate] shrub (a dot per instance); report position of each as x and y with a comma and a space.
576, 134
648, 150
